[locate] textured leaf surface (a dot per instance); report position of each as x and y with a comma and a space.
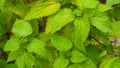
12, 44
81, 31
77, 57
21, 28
107, 62
37, 46
56, 22
116, 29
61, 62
86, 64
61, 43
101, 22
42, 9
103, 8
112, 2
14, 54
85, 3
25, 61
89, 3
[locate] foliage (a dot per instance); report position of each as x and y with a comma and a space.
59, 33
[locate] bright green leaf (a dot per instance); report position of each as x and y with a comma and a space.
74, 66
61, 62
42, 9
37, 46
14, 54
89, 3
116, 29
85, 3
112, 2
107, 62
115, 64
77, 57
21, 28
12, 44
86, 64
56, 22
101, 22
81, 31
25, 61
43, 36
2, 3
61, 43
103, 7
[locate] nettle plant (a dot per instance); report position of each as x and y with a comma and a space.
59, 33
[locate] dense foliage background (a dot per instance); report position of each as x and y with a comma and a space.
59, 33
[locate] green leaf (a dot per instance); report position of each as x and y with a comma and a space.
11, 66
77, 57
12, 44
2, 31
61, 43
103, 7
81, 31
93, 53
115, 64
2, 2
85, 3
61, 62
42, 9
2, 63
57, 21
25, 61
86, 64
112, 2
89, 3
14, 54
21, 28
37, 46
101, 22
77, 12
74, 66
116, 13
116, 29
107, 62
43, 36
